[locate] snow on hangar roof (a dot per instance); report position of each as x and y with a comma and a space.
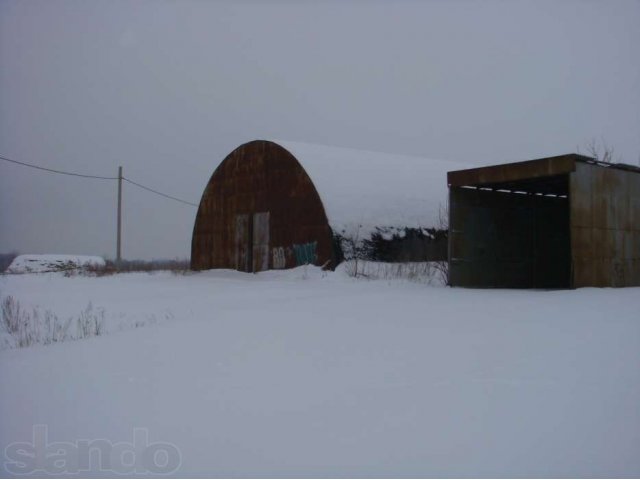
362, 190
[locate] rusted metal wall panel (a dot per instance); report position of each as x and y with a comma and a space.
241, 236
507, 240
261, 177
605, 226
260, 241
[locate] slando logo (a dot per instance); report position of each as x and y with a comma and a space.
98, 455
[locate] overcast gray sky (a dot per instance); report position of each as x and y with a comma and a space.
168, 88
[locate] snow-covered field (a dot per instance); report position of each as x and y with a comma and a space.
312, 374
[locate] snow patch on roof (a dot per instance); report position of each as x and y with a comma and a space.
362, 190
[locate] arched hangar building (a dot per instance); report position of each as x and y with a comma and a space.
272, 205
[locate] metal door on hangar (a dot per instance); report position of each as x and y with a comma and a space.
252, 242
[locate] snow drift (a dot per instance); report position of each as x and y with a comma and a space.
52, 263
304, 373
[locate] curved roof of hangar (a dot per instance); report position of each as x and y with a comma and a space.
362, 190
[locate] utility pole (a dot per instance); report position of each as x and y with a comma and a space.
119, 242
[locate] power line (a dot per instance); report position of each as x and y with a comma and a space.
159, 193
61, 172
119, 178
73, 174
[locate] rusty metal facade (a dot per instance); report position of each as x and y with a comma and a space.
558, 222
605, 226
259, 211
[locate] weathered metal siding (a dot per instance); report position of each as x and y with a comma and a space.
605, 226
241, 242
260, 246
508, 240
281, 214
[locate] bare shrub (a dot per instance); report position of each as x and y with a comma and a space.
600, 152
176, 266
351, 268
400, 245
422, 272
21, 324
31, 327
90, 323
442, 266
353, 250
12, 316
56, 330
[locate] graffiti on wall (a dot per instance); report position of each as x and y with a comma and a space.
279, 257
305, 253
300, 254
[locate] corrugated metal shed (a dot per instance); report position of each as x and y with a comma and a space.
558, 222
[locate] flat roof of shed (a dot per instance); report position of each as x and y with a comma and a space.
509, 173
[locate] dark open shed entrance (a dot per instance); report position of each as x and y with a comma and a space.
557, 222
511, 234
